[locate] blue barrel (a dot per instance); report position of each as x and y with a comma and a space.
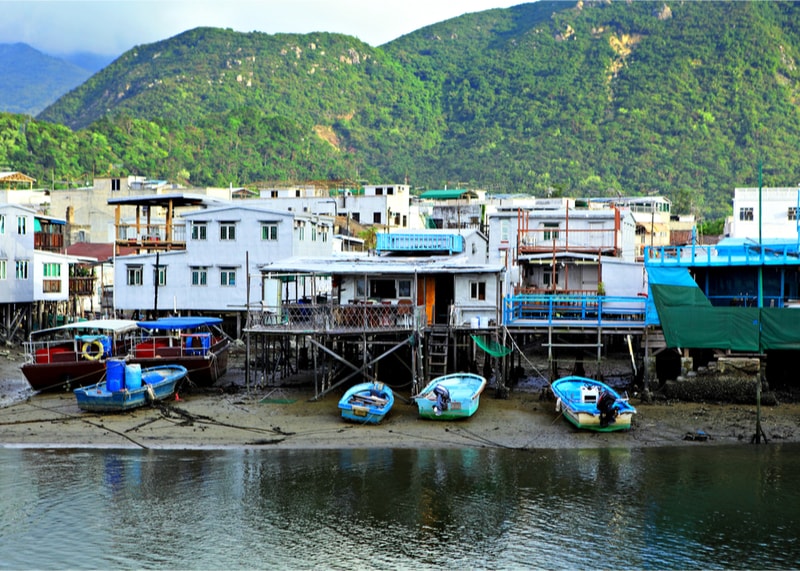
133, 377
115, 374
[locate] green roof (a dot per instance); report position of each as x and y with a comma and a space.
448, 194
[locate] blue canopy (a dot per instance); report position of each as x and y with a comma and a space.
173, 323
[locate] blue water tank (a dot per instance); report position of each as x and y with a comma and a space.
115, 374
133, 376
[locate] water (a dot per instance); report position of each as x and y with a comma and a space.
670, 508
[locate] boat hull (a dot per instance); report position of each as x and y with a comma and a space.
578, 400
158, 383
66, 376
75, 355
202, 371
367, 403
465, 391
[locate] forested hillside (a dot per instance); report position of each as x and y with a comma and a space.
588, 99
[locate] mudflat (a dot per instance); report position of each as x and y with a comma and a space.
290, 418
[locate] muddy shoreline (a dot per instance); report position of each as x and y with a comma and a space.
231, 416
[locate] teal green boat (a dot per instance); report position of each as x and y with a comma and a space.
451, 397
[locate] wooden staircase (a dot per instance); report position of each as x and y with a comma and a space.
438, 342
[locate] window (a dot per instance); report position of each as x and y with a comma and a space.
404, 288
269, 231
313, 233
199, 230
3, 270
376, 217
302, 231
273, 194
356, 216
21, 269
746, 213
2, 223
792, 214
477, 290
52, 270
227, 231
116, 184
227, 276
547, 277
160, 275
552, 230
379, 191
199, 276
505, 230
134, 275
22, 225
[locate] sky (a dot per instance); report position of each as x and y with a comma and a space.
111, 27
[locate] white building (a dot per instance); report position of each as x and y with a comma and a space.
224, 247
777, 215
566, 249
386, 206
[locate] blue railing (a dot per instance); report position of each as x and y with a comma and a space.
411, 242
599, 310
696, 255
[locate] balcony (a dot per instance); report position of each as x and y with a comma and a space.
48, 241
82, 285
335, 318
152, 236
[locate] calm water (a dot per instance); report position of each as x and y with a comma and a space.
689, 507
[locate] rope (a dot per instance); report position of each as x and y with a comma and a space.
513, 342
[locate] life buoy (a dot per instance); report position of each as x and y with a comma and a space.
87, 353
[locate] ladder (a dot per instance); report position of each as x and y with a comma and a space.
438, 341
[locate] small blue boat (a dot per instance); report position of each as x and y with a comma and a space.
140, 387
366, 402
592, 405
451, 396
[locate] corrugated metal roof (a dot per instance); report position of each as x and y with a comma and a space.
356, 265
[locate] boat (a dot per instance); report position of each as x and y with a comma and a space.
451, 396
137, 388
366, 402
591, 404
75, 354
196, 343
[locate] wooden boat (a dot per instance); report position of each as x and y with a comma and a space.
75, 354
196, 343
592, 405
140, 387
451, 396
366, 402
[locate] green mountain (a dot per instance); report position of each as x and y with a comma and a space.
33, 80
589, 99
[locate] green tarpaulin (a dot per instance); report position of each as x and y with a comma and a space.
689, 320
492, 347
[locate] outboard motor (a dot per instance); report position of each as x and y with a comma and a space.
608, 411
442, 399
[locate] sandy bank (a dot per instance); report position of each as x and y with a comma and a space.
286, 418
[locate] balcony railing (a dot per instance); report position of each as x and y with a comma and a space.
593, 310
334, 318
152, 236
83, 285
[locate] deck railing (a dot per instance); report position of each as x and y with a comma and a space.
596, 310
333, 318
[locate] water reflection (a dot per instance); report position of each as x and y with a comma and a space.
708, 507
